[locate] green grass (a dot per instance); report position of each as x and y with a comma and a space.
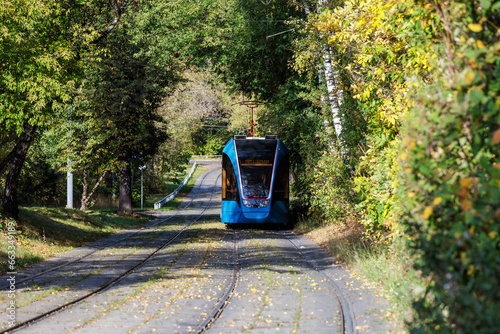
185, 190
43, 232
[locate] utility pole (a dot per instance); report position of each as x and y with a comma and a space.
142, 168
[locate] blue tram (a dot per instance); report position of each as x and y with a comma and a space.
255, 181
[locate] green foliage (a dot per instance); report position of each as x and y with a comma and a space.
255, 46
454, 176
432, 65
299, 123
333, 197
40, 184
41, 45
211, 142
33, 61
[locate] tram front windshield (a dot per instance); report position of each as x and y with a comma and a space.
256, 159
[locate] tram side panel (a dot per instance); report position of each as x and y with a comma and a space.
231, 206
281, 190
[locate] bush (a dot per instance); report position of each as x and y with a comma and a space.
453, 166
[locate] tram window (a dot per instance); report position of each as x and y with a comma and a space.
281, 187
229, 184
256, 160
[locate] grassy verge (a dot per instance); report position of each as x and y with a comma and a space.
390, 267
43, 232
174, 203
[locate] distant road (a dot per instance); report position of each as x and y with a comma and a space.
209, 163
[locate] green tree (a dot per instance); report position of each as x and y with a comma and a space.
254, 46
453, 172
120, 100
41, 43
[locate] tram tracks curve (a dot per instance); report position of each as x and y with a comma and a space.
110, 242
282, 287
348, 320
118, 278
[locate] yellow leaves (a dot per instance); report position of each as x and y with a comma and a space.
465, 182
463, 193
427, 212
480, 44
471, 230
391, 120
437, 201
470, 272
469, 77
465, 205
475, 27
411, 195
411, 143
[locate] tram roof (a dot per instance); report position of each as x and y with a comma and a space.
267, 137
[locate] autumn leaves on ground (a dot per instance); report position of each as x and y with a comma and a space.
390, 111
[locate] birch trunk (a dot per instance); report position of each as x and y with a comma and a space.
334, 93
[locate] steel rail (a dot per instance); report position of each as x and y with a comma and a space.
223, 302
126, 236
116, 279
348, 320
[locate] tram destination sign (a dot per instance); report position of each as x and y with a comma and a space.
256, 162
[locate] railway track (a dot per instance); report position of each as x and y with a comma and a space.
348, 320
282, 288
202, 278
172, 236
224, 300
102, 244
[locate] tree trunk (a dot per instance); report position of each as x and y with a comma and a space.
334, 93
19, 153
125, 199
334, 97
85, 186
86, 198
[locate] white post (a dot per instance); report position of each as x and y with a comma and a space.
69, 187
142, 191
69, 175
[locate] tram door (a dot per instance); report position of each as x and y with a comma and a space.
229, 184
